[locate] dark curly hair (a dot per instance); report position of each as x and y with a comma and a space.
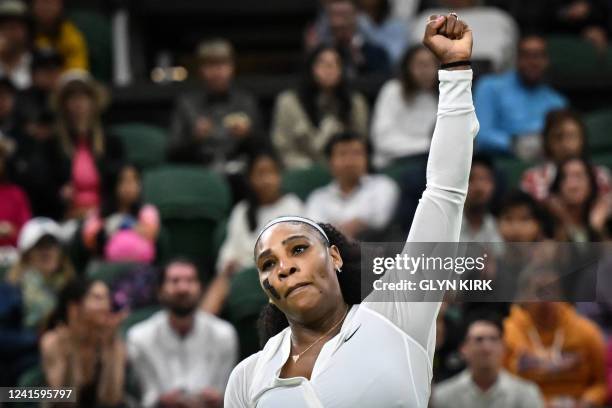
272, 321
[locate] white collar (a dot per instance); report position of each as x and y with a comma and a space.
276, 352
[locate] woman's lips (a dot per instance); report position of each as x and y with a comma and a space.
296, 288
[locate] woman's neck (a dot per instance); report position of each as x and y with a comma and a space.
305, 334
575, 214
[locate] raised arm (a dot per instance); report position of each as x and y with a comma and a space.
439, 213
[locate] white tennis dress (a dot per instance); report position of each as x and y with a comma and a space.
383, 354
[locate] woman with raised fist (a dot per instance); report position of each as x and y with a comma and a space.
325, 347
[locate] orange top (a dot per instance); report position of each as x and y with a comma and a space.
566, 360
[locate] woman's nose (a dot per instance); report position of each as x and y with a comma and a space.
286, 268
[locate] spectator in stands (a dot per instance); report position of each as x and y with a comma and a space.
485, 383
581, 211
496, 29
564, 137
511, 107
609, 370
10, 125
215, 123
84, 350
550, 344
479, 225
357, 203
265, 201
305, 119
42, 271
14, 204
340, 27
79, 102
14, 43
46, 71
182, 355
41, 168
125, 229
406, 108
586, 18
54, 30
382, 28
521, 219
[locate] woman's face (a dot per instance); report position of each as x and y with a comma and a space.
300, 268
79, 106
565, 140
46, 256
327, 69
96, 305
128, 186
518, 224
423, 68
575, 186
265, 180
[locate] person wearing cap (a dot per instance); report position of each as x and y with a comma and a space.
14, 204
79, 102
46, 69
14, 42
217, 121
42, 270
52, 29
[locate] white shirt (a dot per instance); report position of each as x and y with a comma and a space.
373, 201
383, 355
21, 75
496, 30
163, 361
399, 127
507, 392
240, 241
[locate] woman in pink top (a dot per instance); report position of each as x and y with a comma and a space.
14, 204
564, 137
79, 102
125, 229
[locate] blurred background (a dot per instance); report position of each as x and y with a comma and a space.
144, 143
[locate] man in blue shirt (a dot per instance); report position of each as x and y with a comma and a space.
512, 106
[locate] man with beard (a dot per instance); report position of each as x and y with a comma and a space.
182, 356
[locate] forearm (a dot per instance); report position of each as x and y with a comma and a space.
112, 376
438, 216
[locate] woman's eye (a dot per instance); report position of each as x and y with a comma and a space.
267, 265
299, 249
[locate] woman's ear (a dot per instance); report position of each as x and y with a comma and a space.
334, 253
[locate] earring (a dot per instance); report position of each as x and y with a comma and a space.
338, 270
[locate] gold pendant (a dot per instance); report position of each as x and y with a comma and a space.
295, 358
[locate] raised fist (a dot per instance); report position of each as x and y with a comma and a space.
449, 38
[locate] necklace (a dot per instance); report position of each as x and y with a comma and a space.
297, 356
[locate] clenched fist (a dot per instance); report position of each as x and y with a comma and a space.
449, 38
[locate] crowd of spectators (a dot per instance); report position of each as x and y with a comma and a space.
166, 332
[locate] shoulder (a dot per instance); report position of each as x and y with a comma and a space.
391, 88
70, 29
292, 202
239, 210
222, 330
448, 389
517, 382
288, 96
51, 341
381, 181
144, 331
240, 379
493, 81
319, 194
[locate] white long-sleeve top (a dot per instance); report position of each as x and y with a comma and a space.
383, 354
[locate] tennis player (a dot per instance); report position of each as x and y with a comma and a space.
328, 349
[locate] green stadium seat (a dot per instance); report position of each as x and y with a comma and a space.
400, 167
192, 202
302, 182
33, 377
572, 56
109, 272
145, 145
512, 168
599, 129
96, 29
244, 303
603, 159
